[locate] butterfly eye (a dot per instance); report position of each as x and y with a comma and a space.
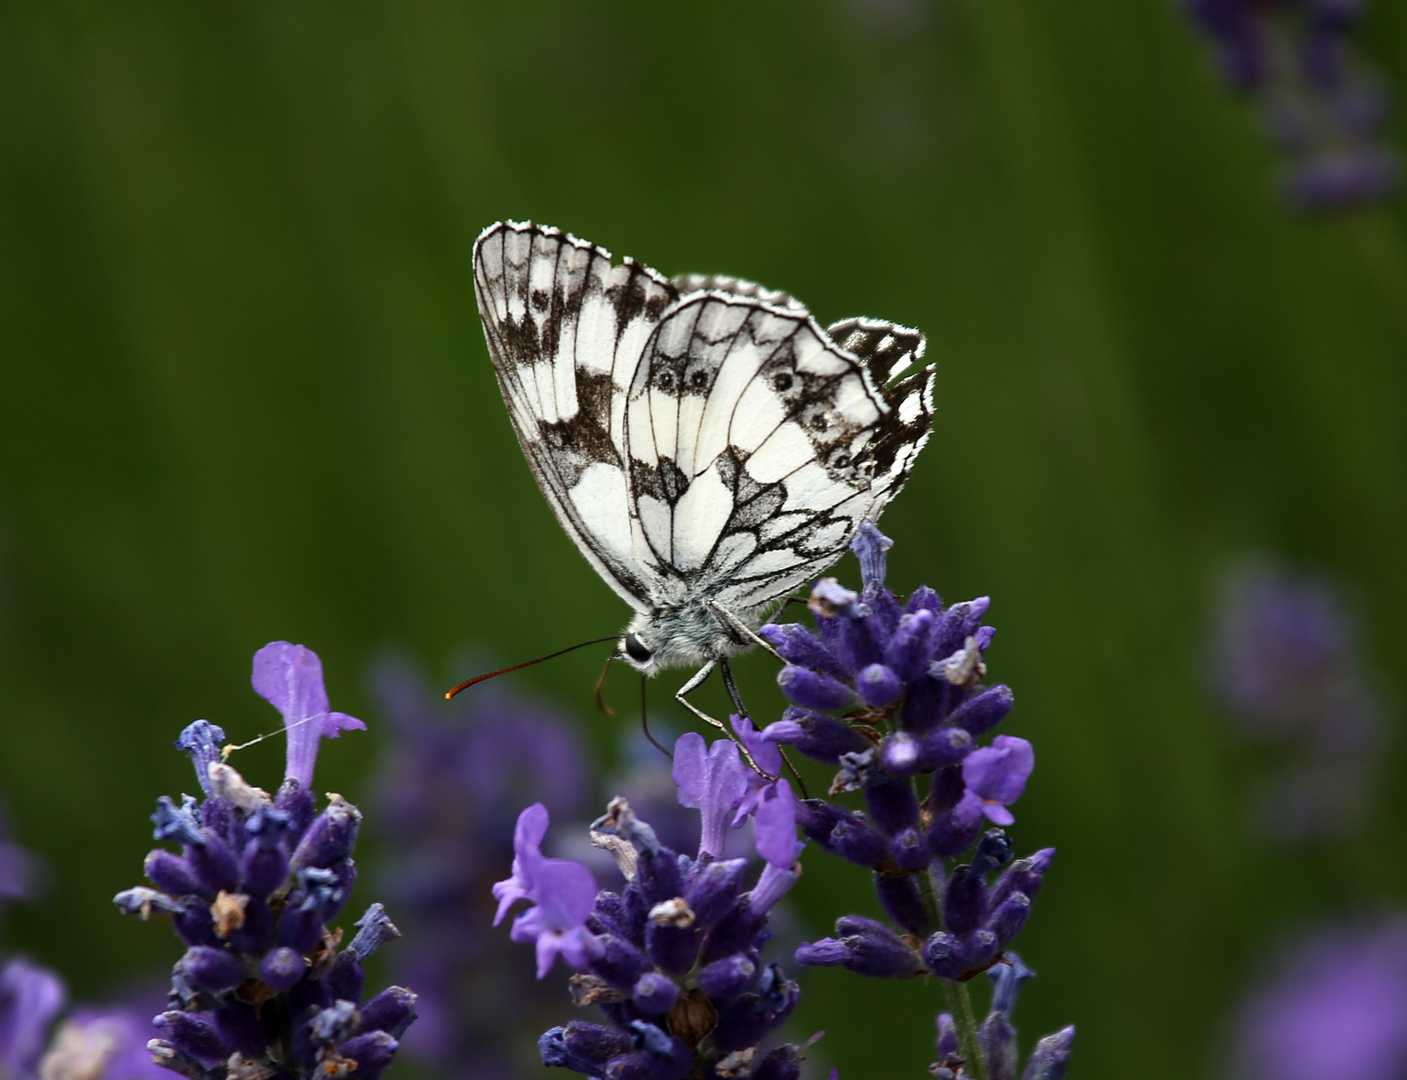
636, 650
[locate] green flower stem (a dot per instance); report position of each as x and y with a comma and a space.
955, 994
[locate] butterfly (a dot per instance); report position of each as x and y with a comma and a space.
703, 441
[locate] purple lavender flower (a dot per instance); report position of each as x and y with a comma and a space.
995, 776
289, 677
1287, 673
448, 786
1323, 108
1337, 1007
561, 891
263, 988
674, 958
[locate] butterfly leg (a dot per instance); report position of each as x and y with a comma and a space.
693, 684
645, 723
732, 686
736, 625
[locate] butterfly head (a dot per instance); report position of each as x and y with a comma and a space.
633, 650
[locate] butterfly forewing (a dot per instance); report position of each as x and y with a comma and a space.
565, 328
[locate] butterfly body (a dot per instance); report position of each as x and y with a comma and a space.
706, 444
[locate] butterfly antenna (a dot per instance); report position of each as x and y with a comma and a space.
645, 723
601, 686
529, 663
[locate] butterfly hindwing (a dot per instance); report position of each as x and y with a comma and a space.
754, 445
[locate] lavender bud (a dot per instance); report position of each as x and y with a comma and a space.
950, 835
300, 926
944, 746
1009, 917
594, 1043
347, 977
926, 702
297, 802
170, 873
861, 640
211, 969
672, 948
390, 1011
657, 875
815, 734
620, 964
979, 950
902, 902
909, 850
870, 948
869, 547
194, 1035
943, 955
735, 932
993, 851
984, 711
654, 994
282, 968
214, 865
908, 653
964, 901
842, 832
372, 1052
813, 689
715, 890
331, 836
997, 1038
1024, 875
551, 1045
878, 686
948, 1045
901, 754
1050, 1056
728, 977
891, 803
799, 646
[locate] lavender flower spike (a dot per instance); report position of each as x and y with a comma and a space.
289, 677
995, 775
30, 998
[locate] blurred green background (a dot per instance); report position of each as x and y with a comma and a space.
244, 395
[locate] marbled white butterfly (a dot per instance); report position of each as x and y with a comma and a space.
706, 444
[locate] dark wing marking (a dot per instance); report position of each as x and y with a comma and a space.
566, 329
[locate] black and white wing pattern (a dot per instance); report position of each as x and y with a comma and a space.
566, 329
700, 438
757, 444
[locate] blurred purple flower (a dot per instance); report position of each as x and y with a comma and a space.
452, 778
30, 998
1337, 1008
102, 1044
1322, 107
289, 677
1285, 667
